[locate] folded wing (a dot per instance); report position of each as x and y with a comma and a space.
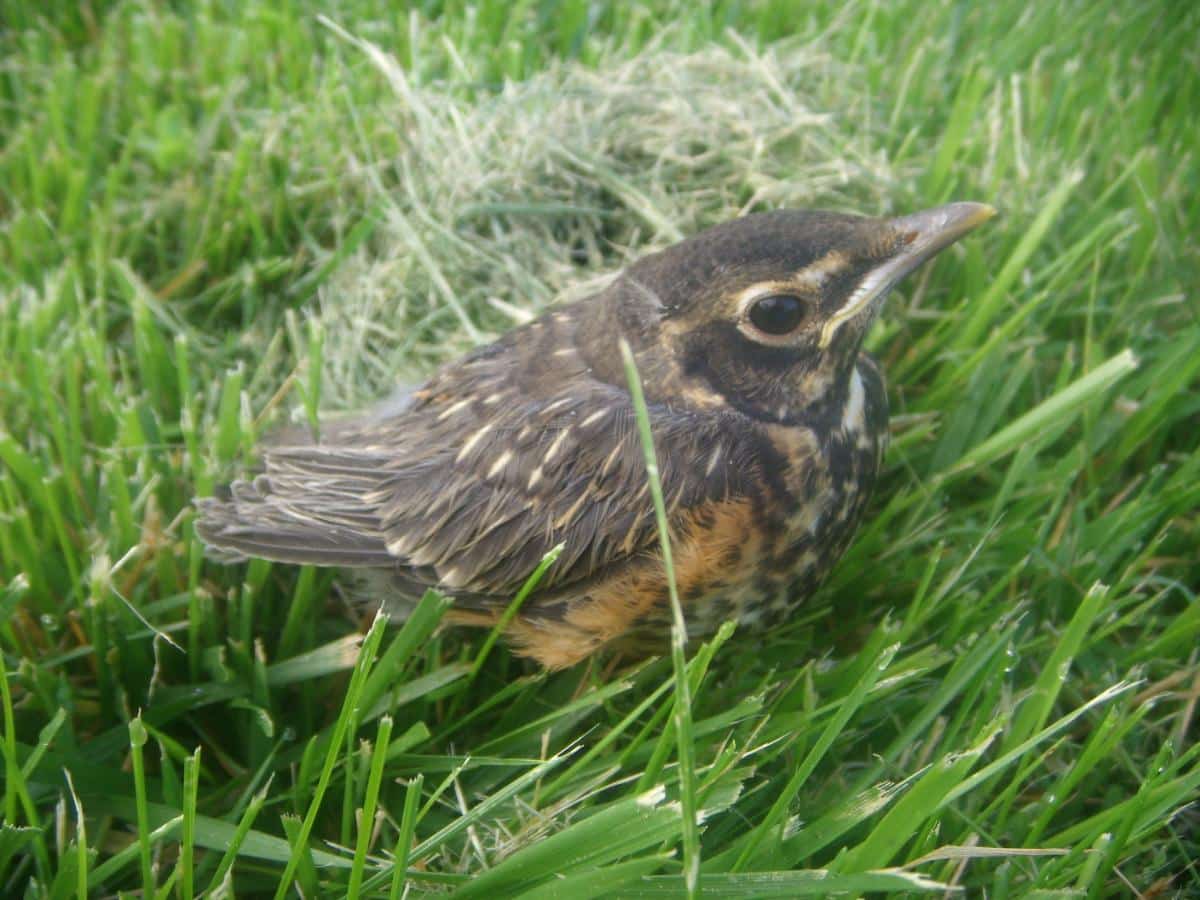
468, 495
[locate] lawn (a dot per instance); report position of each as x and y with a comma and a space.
216, 218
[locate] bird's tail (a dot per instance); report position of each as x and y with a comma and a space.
311, 504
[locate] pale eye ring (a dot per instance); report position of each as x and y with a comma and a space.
776, 314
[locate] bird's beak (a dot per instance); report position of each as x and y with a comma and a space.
924, 234
933, 230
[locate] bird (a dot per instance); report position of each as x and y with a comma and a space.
769, 420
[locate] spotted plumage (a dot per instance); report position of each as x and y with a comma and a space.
769, 420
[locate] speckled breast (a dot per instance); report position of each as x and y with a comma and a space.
829, 472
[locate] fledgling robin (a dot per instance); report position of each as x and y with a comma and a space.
769, 420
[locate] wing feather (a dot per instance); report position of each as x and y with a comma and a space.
468, 497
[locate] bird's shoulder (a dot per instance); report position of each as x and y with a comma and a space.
520, 447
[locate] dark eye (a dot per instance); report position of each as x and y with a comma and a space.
777, 314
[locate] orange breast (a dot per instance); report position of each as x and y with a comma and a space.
715, 547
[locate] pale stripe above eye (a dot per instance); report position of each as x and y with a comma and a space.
803, 282
820, 270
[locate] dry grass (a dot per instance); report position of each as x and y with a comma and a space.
496, 206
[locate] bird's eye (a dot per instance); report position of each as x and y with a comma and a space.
777, 314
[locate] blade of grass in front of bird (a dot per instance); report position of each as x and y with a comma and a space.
778, 811
795, 883
119, 860
1031, 715
187, 841
510, 613
626, 826
696, 667
417, 628
366, 814
137, 740
239, 835
354, 694
683, 699
404, 842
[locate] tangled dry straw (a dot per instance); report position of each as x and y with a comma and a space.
502, 200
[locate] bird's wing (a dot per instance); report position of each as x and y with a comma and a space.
468, 495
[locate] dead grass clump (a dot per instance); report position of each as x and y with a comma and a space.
500, 202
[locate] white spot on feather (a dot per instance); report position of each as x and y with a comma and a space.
472, 441
595, 417
610, 460
453, 578
714, 460
852, 418
452, 409
535, 477
556, 446
499, 464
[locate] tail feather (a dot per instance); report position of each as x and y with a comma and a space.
311, 506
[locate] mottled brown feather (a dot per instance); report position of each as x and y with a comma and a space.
715, 545
768, 445
423, 493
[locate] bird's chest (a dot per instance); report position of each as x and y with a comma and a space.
826, 477
827, 492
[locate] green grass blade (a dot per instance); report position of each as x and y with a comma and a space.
353, 696
1049, 415
366, 814
683, 694
404, 841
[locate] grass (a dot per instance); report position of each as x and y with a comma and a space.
214, 216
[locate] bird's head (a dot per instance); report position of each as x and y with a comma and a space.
769, 311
